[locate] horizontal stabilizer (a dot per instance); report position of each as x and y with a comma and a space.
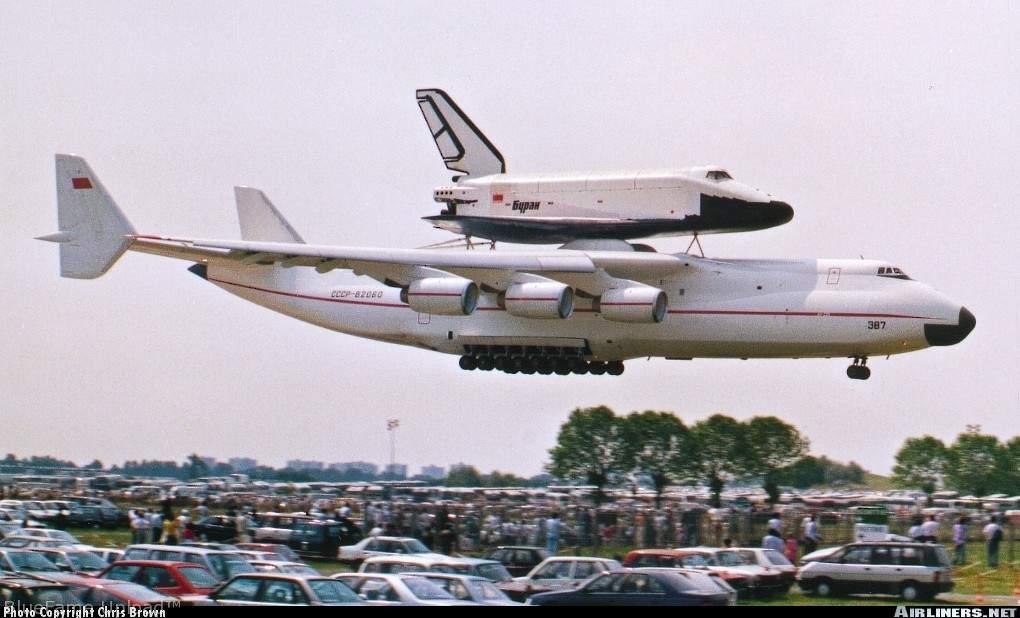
93, 230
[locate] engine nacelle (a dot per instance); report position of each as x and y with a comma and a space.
538, 299
442, 295
633, 304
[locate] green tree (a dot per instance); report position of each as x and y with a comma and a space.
657, 444
921, 463
722, 447
463, 476
975, 464
772, 444
197, 467
1011, 460
588, 448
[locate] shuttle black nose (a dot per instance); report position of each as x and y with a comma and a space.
781, 212
942, 334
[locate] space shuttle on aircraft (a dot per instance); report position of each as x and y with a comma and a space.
486, 201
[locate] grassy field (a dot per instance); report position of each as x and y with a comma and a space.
971, 579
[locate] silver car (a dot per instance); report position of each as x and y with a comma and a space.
912, 570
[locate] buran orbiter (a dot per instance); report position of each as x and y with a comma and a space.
484, 201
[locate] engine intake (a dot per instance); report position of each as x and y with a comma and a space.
543, 300
633, 304
442, 295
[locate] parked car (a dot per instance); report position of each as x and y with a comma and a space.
687, 558
222, 564
479, 567
110, 515
656, 587
25, 561
518, 559
911, 570
771, 560
164, 576
216, 528
470, 588
283, 566
73, 560
383, 546
322, 538
397, 589
557, 573
46, 533
35, 592
86, 516
108, 554
277, 548
282, 589
107, 592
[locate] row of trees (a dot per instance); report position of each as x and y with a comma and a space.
597, 447
976, 464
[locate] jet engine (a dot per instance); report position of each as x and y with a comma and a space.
632, 304
442, 295
538, 299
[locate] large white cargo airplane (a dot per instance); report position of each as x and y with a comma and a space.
583, 309
487, 202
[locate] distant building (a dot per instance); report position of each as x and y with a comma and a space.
242, 464
433, 472
209, 461
459, 466
300, 464
364, 467
396, 470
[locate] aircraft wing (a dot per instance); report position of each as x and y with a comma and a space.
589, 271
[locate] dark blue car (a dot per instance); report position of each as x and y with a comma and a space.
644, 587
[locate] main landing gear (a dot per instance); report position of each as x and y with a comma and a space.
859, 370
543, 365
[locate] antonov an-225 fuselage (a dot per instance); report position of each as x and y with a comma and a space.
584, 308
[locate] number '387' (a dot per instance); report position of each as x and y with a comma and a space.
876, 324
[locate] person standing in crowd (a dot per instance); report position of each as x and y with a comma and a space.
993, 537
915, 532
202, 510
170, 530
930, 530
772, 540
811, 536
155, 525
791, 548
960, 541
776, 523
552, 533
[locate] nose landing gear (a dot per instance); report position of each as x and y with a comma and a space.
859, 370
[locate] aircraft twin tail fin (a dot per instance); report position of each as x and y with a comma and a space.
93, 230
463, 147
260, 220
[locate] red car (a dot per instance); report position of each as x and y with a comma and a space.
165, 576
95, 591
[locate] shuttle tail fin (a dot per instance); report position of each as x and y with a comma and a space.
93, 230
463, 147
260, 220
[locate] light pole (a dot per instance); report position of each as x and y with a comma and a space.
391, 426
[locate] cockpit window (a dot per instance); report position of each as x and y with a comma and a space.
892, 272
718, 175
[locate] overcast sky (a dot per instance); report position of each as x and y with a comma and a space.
891, 128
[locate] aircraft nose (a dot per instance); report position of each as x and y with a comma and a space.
780, 212
943, 334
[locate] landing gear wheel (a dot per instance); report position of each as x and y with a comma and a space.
597, 368
528, 366
580, 367
468, 363
859, 370
545, 366
615, 368
485, 363
501, 362
563, 366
